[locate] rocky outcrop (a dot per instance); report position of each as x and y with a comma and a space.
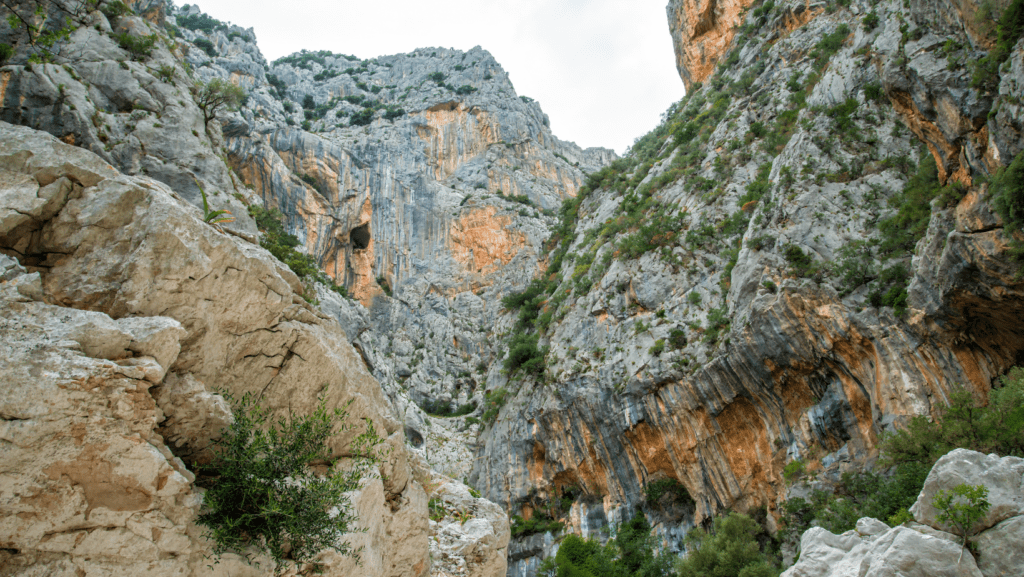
899, 551
127, 289
136, 113
923, 548
702, 32
423, 184
470, 534
693, 346
415, 192
1004, 478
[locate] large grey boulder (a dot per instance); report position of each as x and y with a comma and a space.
1004, 477
898, 552
1000, 550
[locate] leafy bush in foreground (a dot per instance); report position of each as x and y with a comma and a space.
262, 494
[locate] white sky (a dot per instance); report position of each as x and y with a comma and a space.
602, 70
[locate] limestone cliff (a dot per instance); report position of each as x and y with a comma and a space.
132, 309
752, 285
187, 308
717, 304
701, 33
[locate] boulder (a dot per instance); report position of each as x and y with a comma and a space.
1004, 477
898, 552
999, 548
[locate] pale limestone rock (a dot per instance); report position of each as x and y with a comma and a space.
192, 414
897, 552
1001, 548
472, 536
1004, 477
85, 478
157, 337
80, 477
868, 527
820, 550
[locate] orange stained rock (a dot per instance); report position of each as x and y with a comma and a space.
702, 31
455, 134
364, 288
482, 241
794, 19
947, 155
5, 78
745, 446
93, 471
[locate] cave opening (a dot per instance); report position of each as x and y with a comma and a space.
360, 236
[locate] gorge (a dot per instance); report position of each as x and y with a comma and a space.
817, 244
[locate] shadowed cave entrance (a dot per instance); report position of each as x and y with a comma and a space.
360, 236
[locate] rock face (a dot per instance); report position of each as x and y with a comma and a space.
702, 31
130, 290
923, 548
731, 297
135, 113
688, 341
899, 551
423, 184
1004, 478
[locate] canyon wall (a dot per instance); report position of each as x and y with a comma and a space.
738, 319
731, 297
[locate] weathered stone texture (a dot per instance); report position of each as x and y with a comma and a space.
129, 283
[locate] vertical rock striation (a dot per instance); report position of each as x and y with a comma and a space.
726, 332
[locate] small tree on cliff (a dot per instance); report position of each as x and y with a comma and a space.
217, 95
272, 487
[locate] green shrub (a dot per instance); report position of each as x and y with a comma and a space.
677, 338
206, 46
361, 118
528, 303
538, 523
437, 77
465, 89
828, 46
393, 112
282, 245
200, 23
384, 285
873, 92
1009, 30
633, 551
855, 265
138, 47
658, 348
718, 321
655, 491
733, 547
909, 454
1006, 192
262, 495
870, 21
493, 402
116, 9
961, 508
439, 408
311, 181
801, 264
794, 470
523, 355
995, 428
5, 53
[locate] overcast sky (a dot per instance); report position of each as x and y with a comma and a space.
603, 70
